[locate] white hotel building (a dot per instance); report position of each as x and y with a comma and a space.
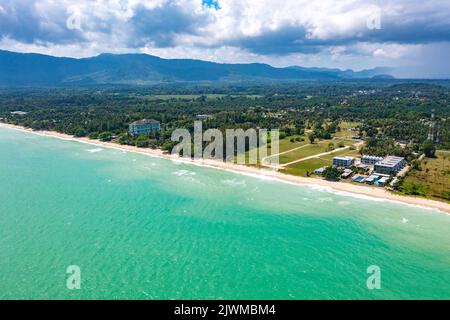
343, 162
390, 165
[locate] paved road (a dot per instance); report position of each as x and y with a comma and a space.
284, 152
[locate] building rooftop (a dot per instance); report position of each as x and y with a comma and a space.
347, 173
373, 177
145, 121
372, 157
358, 178
320, 170
344, 158
391, 161
19, 113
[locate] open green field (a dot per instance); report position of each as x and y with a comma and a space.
286, 144
294, 150
194, 96
312, 149
344, 153
431, 180
303, 168
181, 96
302, 149
345, 126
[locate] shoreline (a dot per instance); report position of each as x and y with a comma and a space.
376, 194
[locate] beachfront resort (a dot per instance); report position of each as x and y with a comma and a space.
369, 170
380, 173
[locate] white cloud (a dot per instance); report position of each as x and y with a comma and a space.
330, 32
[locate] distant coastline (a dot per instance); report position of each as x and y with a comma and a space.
371, 193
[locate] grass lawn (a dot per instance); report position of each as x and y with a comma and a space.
286, 143
345, 125
432, 180
193, 96
301, 168
181, 96
312, 149
307, 149
345, 133
345, 153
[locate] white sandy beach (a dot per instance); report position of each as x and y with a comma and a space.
350, 189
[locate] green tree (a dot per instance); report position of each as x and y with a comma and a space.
331, 146
79, 132
331, 173
105, 136
168, 145
123, 139
429, 149
142, 142
36, 125
326, 135
93, 135
311, 138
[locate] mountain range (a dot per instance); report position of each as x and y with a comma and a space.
30, 69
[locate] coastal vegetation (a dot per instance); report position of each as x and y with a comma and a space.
317, 120
429, 178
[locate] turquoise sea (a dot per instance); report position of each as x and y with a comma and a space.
147, 228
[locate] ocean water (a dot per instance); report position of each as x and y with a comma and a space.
147, 228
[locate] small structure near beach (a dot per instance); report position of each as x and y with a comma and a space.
319, 171
347, 174
383, 181
359, 179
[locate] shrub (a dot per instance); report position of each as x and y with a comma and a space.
142, 142
105, 136
93, 135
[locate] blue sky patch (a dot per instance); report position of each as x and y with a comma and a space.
211, 4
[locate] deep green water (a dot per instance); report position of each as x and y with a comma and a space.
146, 228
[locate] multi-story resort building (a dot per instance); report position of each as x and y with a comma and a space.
390, 165
343, 162
371, 160
144, 127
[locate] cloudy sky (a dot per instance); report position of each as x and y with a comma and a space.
411, 35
